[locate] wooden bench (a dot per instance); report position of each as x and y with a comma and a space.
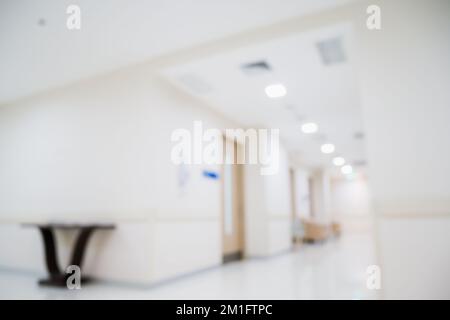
315, 231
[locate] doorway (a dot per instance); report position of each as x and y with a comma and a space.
295, 222
232, 204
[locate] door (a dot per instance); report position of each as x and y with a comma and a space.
232, 213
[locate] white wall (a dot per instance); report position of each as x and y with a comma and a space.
100, 151
350, 203
279, 211
268, 210
404, 72
321, 196
255, 223
302, 196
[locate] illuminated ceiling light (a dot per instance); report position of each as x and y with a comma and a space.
338, 161
275, 90
347, 169
309, 127
327, 148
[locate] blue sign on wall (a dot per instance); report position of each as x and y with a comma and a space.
210, 174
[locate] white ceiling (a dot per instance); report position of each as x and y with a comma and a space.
325, 94
116, 33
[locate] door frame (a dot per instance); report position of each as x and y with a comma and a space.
238, 191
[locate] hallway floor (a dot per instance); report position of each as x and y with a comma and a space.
332, 270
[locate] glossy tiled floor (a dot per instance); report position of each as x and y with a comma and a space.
334, 270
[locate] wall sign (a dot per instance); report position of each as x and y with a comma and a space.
210, 174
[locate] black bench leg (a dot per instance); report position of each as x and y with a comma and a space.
56, 278
80, 248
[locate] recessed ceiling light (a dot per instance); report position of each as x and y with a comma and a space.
309, 127
347, 169
338, 161
327, 148
275, 90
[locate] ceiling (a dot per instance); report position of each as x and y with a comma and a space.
114, 33
38, 53
318, 92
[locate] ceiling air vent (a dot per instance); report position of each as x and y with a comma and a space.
331, 51
256, 68
194, 84
359, 163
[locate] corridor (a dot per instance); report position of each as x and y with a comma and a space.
143, 145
